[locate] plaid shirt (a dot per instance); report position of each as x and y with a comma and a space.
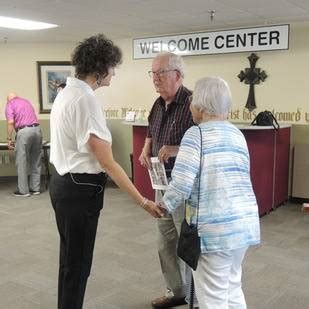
168, 126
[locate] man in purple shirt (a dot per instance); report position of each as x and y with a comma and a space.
21, 117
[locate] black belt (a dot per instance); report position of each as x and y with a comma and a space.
84, 177
29, 126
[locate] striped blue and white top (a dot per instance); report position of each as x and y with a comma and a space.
228, 212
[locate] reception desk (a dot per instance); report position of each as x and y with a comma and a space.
269, 151
141, 176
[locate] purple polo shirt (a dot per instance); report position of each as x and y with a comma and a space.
21, 112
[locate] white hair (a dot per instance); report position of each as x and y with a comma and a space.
212, 95
175, 62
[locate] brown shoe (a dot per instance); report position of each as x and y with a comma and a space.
168, 302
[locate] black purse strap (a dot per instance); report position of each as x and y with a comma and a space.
254, 121
199, 177
199, 180
274, 118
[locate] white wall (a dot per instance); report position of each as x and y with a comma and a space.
19, 71
285, 89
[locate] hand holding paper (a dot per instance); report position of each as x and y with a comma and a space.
157, 174
167, 151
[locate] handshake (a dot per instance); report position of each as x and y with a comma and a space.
157, 210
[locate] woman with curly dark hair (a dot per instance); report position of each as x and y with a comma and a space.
82, 156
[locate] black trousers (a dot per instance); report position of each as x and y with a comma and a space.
77, 200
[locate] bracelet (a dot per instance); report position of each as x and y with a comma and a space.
144, 202
9, 139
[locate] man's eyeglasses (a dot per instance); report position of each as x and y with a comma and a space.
159, 73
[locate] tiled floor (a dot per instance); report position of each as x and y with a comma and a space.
125, 271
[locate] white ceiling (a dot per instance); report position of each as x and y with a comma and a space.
78, 19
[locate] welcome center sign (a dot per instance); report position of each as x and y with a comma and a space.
219, 42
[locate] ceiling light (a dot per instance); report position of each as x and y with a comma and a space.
23, 24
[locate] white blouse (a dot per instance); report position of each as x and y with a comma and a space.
76, 113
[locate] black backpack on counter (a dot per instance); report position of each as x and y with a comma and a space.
265, 118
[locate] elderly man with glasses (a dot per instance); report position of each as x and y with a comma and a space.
169, 119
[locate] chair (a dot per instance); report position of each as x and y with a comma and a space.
45, 161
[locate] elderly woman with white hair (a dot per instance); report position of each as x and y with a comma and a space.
215, 152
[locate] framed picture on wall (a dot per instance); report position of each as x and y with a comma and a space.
50, 75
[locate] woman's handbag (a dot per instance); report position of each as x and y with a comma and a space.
266, 118
189, 243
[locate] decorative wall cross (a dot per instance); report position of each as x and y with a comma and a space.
252, 76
